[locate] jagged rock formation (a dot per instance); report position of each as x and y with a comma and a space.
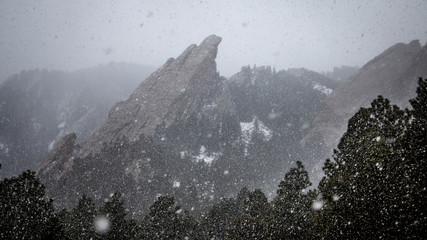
176, 90
392, 74
188, 132
185, 91
38, 107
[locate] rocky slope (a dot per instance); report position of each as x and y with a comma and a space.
392, 74
38, 107
180, 90
188, 132
181, 87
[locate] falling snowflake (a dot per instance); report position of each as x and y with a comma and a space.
176, 184
335, 197
317, 205
102, 224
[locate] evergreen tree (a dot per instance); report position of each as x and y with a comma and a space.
79, 223
253, 223
292, 205
216, 225
415, 154
365, 190
25, 212
115, 213
169, 221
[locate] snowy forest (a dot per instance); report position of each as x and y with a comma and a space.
213, 119
374, 187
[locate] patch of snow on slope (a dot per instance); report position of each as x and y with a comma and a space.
266, 132
248, 129
51, 145
210, 106
176, 184
322, 88
61, 125
204, 156
183, 154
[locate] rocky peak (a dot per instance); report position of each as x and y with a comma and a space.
180, 82
186, 114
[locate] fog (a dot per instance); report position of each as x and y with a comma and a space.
317, 35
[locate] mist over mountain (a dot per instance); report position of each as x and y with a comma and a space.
342, 73
38, 107
295, 120
188, 132
185, 130
392, 74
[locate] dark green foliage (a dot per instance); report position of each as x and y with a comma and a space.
218, 222
415, 149
374, 187
169, 221
216, 225
79, 222
25, 212
247, 227
292, 205
372, 182
120, 227
253, 222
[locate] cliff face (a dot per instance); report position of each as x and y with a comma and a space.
174, 91
161, 119
393, 74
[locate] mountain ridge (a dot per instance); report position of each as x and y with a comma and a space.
392, 74
188, 132
195, 130
148, 110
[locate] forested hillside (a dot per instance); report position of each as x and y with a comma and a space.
374, 187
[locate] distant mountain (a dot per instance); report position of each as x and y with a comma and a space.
38, 107
342, 73
392, 74
188, 132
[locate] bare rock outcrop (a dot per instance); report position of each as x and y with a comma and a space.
181, 87
60, 151
193, 73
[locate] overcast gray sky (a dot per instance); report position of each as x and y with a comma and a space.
318, 35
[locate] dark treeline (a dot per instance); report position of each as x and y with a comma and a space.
374, 187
